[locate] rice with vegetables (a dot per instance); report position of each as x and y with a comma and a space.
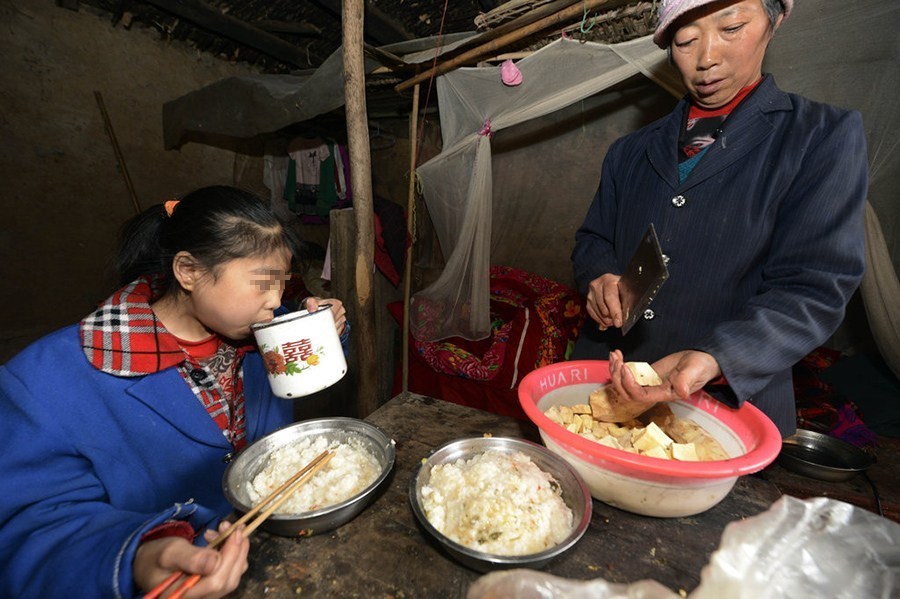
497, 502
351, 469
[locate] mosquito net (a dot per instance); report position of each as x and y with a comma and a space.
458, 183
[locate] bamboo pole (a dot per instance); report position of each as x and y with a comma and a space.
560, 18
352, 15
410, 214
521, 21
117, 151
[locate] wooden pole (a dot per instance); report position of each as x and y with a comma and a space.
410, 215
562, 17
352, 15
342, 239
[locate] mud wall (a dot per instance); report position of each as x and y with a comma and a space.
65, 197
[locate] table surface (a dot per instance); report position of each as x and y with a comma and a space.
383, 552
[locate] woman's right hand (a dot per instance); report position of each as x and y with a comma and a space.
221, 569
603, 303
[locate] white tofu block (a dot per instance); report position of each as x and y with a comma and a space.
610, 441
658, 452
644, 373
652, 437
686, 452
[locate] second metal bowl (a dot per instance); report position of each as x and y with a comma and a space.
574, 492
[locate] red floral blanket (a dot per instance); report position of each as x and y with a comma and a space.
534, 323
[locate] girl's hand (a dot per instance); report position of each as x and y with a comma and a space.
603, 303
337, 310
221, 569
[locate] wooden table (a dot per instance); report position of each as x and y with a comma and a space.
384, 553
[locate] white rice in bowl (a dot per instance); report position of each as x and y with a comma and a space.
351, 469
497, 502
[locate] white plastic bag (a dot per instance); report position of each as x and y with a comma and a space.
817, 547
531, 584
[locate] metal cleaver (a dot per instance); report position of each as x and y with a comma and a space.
642, 279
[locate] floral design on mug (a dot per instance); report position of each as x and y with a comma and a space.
274, 361
291, 358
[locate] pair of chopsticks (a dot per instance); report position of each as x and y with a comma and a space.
285, 491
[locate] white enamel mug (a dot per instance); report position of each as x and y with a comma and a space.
301, 351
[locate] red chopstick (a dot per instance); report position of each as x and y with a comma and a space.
285, 490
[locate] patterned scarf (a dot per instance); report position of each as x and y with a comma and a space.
702, 126
124, 338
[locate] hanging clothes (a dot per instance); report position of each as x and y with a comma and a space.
342, 176
391, 239
304, 174
318, 179
327, 197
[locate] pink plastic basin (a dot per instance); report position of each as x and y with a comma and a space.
641, 484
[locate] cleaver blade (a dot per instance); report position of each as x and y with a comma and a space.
642, 279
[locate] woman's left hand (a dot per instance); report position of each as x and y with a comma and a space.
337, 310
682, 374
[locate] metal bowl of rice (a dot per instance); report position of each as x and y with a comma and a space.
363, 458
497, 502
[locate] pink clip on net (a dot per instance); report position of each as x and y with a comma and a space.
486, 129
510, 73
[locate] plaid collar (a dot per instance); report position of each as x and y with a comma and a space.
123, 337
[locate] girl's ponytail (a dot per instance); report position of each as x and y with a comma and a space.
140, 252
214, 224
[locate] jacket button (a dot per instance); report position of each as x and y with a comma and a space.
678, 201
228, 457
198, 375
666, 259
649, 314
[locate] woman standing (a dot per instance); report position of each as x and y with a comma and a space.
757, 196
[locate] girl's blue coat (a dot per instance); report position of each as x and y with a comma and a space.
91, 461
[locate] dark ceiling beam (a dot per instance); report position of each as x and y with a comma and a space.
302, 28
392, 61
377, 26
235, 29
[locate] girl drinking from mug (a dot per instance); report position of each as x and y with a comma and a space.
116, 431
